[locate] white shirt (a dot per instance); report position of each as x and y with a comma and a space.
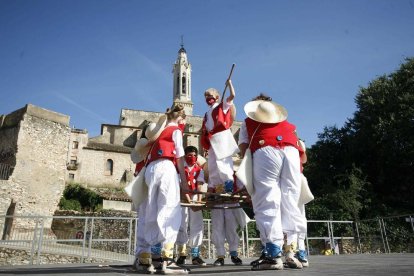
177, 137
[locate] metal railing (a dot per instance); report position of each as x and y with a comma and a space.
94, 239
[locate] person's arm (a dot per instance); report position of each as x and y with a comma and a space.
303, 157
199, 188
179, 155
200, 183
183, 178
243, 147
232, 92
243, 140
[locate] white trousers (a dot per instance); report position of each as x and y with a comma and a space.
219, 170
224, 228
290, 184
267, 167
191, 229
160, 214
302, 235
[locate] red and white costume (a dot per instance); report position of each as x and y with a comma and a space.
276, 178
191, 220
160, 214
217, 119
224, 221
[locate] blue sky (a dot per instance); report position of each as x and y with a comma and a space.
89, 59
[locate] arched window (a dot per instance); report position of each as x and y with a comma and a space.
183, 83
109, 167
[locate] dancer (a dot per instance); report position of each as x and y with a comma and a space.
192, 221
218, 140
160, 217
267, 133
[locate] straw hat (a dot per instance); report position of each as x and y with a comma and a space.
265, 112
154, 129
140, 151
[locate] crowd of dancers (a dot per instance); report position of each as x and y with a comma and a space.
172, 174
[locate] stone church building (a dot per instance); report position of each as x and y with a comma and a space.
39, 152
104, 161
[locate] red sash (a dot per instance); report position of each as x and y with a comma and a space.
192, 176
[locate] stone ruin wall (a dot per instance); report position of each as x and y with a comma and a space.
39, 140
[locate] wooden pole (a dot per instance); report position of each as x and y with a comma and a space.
225, 87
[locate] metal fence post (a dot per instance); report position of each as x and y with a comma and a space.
85, 229
359, 247
382, 235
385, 235
33, 243
130, 236
90, 239
39, 244
243, 245
332, 237
209, 238
247, 241
135, 234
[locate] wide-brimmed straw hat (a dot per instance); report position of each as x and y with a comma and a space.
140, 151
265, 111
154, 129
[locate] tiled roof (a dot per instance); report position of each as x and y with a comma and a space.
107, 147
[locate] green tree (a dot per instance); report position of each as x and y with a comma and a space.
365, 168
383, 127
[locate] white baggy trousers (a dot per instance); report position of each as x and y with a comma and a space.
267, 169
223, 221
191, 229
160, 214
293, 221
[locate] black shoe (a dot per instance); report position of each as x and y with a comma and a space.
181, 260
268, 263
256, 262
157, 262
219, 262
143, 268
198, 261
236, 260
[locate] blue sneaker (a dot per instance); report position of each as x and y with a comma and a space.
228, 186
302, 256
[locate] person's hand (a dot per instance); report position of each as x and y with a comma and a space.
228, 82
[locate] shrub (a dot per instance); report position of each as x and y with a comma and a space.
87, 199
69, 204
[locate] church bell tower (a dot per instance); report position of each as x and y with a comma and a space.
182, 81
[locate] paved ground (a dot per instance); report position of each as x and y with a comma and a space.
364, 265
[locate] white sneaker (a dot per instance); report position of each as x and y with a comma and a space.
169, 267
292, 261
